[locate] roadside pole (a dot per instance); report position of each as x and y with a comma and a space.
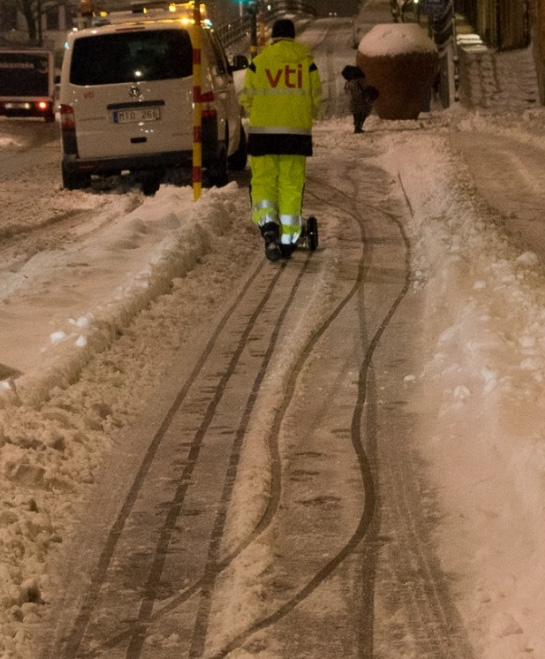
197, 107
252, 11
40, 24
262, 40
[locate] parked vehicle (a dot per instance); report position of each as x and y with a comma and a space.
27, 83
126, 99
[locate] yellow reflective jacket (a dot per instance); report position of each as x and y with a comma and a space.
281, 96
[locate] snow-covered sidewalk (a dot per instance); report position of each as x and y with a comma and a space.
94, 327
482, 419
100, 327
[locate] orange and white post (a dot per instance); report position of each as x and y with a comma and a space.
197, 104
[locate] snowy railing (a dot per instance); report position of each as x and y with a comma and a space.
443, 29
234, 31
237, 30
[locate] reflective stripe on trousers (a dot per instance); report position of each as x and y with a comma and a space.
264, 211
277, 192
291, 228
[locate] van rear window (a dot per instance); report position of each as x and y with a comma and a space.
108, 59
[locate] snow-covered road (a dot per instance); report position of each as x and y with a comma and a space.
457, 376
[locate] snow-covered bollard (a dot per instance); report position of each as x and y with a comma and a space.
401, 61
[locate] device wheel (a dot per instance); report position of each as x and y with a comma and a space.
312, 233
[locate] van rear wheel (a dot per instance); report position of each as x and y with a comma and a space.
238, 160
74, 180
151, 184
217, 169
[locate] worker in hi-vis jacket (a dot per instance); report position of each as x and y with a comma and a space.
281, 97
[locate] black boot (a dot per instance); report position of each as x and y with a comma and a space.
271, 235
287, 251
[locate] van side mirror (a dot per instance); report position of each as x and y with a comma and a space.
240, 62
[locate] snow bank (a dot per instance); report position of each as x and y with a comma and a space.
157, 242
53, 439
483, 383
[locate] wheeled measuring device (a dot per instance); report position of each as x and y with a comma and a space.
309, 233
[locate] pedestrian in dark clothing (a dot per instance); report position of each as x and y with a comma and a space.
361, 95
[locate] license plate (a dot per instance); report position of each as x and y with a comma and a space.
136, 115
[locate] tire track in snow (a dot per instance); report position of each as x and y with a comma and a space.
356, 433
70, 647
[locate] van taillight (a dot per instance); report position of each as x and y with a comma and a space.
68, 121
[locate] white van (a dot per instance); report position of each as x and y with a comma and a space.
126, 99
